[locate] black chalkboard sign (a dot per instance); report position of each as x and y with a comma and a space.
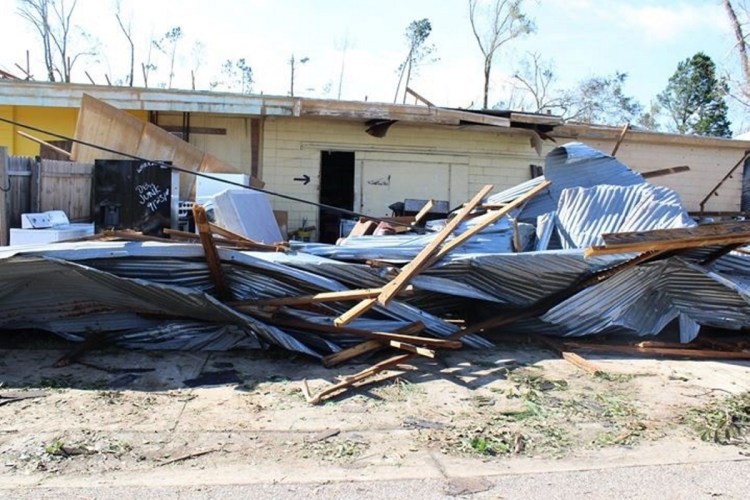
130, 194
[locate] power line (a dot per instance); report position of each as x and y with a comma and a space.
199, 174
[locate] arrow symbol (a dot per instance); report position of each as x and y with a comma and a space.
305, 179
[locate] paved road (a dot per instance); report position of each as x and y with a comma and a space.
723, 480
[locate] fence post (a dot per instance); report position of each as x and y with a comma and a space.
4, 197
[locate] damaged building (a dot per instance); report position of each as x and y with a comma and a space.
541, 228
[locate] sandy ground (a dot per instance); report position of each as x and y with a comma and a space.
171, 419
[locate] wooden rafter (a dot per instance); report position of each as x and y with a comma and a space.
412, 268
209, 249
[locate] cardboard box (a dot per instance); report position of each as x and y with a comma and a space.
282, 219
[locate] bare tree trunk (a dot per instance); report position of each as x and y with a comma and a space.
741, 44
145, 75
291, 82
36, 12
487, 69
127, 34
401, 76
171, 64
406, 84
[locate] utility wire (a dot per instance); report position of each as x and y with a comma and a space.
200, 174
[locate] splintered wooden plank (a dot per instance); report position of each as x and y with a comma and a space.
496, 216
238, 238
424, 211
704, 230
209, 249
574, 359
653, 246
665, 171
418, 263
363, 227
420, 351
413, 267
356, 311
351, 352
382, 336
322, 297
358, 377
661, 351
367, 347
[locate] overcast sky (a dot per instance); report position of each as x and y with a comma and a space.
643, 38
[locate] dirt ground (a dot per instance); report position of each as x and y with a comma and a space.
171, 417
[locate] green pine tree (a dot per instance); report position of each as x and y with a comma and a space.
694, 98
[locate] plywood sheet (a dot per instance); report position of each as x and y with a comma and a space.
104, 125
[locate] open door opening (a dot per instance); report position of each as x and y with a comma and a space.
336, 189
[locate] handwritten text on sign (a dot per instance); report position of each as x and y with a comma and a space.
152, 196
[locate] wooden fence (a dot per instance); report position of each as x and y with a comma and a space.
31, 185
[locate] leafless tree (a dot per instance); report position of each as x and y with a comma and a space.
127, 31
343, 46
197, 55
536, 80
148, 66
53, 20
36, 12
738, 27
506, 21
292, 63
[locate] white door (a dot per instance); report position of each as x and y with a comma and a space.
386, 178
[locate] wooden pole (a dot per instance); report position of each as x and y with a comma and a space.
212, 255
623, 132
44, 143
4, 197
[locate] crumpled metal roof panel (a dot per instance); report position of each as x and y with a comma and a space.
584, 214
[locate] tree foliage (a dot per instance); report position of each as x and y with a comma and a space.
237, 77
416, 34
598, 99
694, 98
601, 100
505, 21
167, 45
535, 87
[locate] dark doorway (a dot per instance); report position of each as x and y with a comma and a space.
336, 189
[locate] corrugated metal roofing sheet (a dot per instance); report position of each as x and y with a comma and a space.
584, 214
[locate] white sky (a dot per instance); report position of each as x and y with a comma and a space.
644, 38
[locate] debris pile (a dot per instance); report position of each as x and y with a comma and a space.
589, 248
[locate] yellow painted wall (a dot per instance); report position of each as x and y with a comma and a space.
292, 146
58, 120
6, 129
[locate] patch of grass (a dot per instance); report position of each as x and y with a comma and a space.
55, 448
615, 406
554, 438
532, 386
341, 450
490, 444
614, 377
723, 422
626, 435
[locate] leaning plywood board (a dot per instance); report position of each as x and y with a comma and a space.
104, 125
